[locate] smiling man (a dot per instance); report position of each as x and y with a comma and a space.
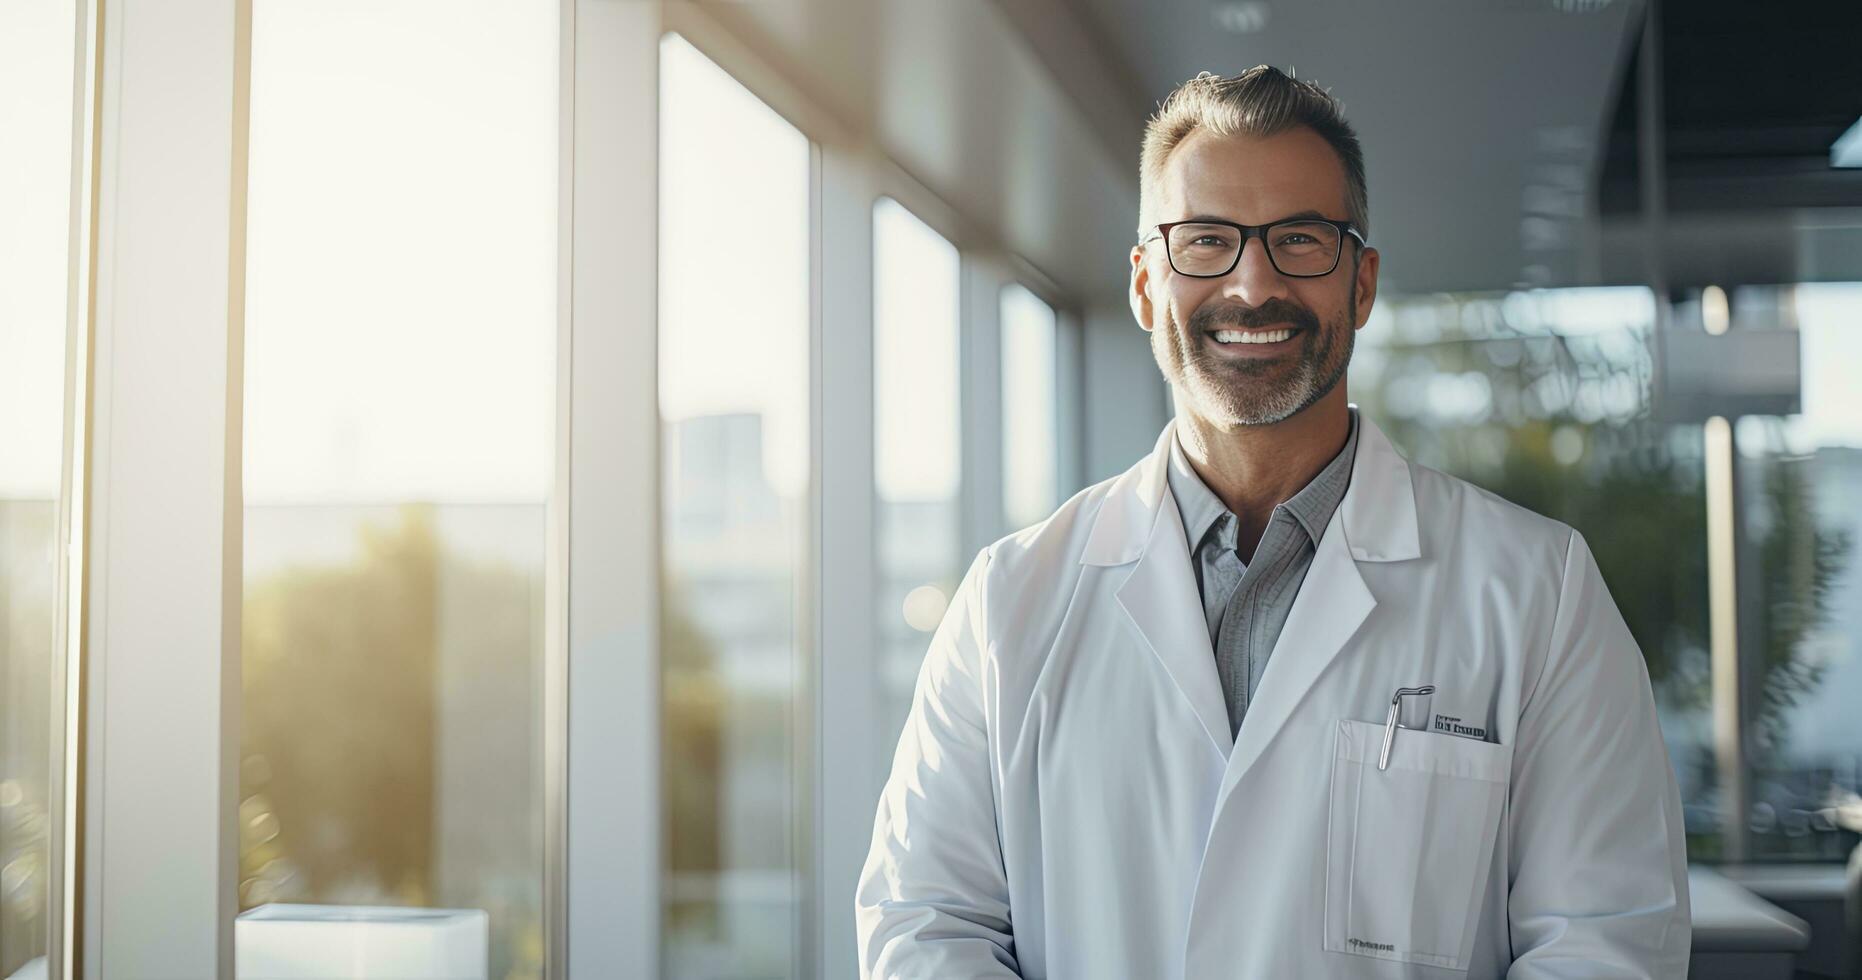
1275, 702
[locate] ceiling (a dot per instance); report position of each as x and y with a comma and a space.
1753, 96
1500, 135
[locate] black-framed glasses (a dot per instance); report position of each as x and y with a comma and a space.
1304, 248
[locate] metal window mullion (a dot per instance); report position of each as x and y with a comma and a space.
556, 563
611, 848
1069, 403
1721, 479
806, 677
160, 848
981, 416
66, 744
850, 745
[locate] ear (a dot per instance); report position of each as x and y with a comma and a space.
1366, 274
1141, 308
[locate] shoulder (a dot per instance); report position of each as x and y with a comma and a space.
1452, 500
1047, 552
1104, 525
1024, 581
1471, 527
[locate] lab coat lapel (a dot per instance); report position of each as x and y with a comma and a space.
1139, 523
1332, 603
1161, 599
1376, 522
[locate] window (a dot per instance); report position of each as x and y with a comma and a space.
35, 195
1800, 501
1030, 423
916, 337
399, 433
734, 406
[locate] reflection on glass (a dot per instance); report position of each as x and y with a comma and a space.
35, 193
1800, 484
916, 328
1542, 397
1030, 429
399, 390
733, 368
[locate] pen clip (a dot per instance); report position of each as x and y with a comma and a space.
1390, 724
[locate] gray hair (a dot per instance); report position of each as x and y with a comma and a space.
1261, 101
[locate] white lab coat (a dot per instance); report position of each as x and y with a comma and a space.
1066, 802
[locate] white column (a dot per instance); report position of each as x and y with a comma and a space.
161, 845
613, 821
851, 748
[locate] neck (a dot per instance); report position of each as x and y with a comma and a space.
1254, 468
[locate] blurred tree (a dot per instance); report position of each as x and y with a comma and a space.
338, 725
694, 738
346, 670
1800, 562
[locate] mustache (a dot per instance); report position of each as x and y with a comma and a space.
1273, 311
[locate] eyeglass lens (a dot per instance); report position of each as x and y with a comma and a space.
1296, 248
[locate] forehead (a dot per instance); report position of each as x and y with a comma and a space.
1252, 179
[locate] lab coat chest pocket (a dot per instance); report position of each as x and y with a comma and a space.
1409, 846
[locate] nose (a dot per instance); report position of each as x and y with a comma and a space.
1254, 279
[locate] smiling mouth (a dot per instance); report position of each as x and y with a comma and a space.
1253, 336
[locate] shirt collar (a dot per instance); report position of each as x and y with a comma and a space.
1198, 505
1311, 507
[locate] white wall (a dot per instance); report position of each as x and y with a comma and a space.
1125, 394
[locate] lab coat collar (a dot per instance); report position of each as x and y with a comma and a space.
1378, 512
1139, 523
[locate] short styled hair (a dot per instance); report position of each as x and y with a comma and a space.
1261, 101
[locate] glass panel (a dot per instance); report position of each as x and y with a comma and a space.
1543, 398
1800, 487
399, 434
916, 327
1030, 428
734, 390
36, 52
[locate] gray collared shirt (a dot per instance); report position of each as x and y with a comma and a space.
1246, 604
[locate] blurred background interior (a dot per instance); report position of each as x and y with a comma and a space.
510, 455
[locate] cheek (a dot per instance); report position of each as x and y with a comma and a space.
1330, 306
1185, 299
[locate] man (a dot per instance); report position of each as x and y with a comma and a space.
1275, 702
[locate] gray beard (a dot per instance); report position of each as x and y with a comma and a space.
1221, 388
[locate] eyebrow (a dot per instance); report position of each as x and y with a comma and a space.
1308, 213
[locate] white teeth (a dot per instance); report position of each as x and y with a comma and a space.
1252, 336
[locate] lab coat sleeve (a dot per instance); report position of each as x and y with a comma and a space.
1597, 863
933, 898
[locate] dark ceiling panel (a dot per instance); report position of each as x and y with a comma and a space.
1753, 96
